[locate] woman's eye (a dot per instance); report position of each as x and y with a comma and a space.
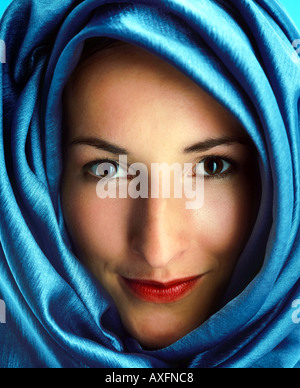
213, 167
106, 169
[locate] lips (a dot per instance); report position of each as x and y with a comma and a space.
156, 292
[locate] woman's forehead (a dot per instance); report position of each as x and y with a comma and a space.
122, 64
123, 89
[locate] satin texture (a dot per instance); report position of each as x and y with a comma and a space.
241, 52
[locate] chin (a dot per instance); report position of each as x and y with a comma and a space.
160, 328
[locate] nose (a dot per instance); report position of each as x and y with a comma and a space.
159, 235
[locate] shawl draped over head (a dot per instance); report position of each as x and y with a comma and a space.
242, 53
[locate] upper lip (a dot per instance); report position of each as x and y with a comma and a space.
155, 283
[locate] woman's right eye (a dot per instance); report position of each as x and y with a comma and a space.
105, 169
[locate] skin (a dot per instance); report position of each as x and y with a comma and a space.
134, 100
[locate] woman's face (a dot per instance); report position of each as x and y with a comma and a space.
164, 265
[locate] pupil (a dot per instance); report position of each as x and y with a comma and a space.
106, 170
109, 171
212, 167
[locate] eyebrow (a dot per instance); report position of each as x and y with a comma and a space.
211, 143
100, 144
198, 147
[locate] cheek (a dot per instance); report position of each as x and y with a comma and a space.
97, 226
225, 221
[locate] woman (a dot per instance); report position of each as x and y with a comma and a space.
165, 265
145, 282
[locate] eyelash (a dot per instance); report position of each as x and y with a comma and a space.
87, 167
230, 170
223, 175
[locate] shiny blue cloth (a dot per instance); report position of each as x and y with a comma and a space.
241, 52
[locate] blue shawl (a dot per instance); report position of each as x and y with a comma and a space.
54, 314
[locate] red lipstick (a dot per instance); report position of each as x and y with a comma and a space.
156, 292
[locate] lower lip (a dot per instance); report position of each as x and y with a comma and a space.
161, 293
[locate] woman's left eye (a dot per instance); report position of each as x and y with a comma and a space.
213, 167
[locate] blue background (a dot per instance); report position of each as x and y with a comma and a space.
292, 6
